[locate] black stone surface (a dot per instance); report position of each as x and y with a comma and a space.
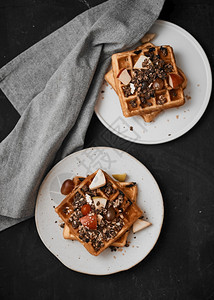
181, 264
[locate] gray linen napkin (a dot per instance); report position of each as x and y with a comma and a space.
54, 86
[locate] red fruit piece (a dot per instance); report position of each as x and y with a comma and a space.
89, 221
158, 84
175, 80
85, 209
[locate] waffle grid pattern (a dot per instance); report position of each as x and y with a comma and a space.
127, 60
131, 191
131, 212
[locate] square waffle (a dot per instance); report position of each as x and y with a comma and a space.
130, 189
106, 231
161, 64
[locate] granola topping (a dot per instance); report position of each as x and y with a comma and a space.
164, 51
133, 103
137, 51
126, 90
108, 189
88, 199
98, 225
161, 100
148, 79
106, 231
118, 201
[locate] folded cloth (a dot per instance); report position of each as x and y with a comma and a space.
54, 86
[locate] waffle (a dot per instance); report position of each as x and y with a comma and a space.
149, 117
106, 233
131, 191
151, 101
109, 77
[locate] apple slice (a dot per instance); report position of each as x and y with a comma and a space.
98, 181
175, 80
119, 177
99, 202
140, 61
124, 76
139, 225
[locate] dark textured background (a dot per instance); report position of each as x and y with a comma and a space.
181, 264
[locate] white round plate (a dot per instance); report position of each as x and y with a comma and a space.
172, 123
73, 254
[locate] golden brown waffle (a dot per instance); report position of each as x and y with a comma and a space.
130, 189
109, 77
160, 100
97, 240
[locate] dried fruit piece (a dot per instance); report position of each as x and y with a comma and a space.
142, 62
158, 84
67, 187
89, 221
98, 181
119, 177
110, 214
86, 208
175, 80
124, 76
99, 202
139, 225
